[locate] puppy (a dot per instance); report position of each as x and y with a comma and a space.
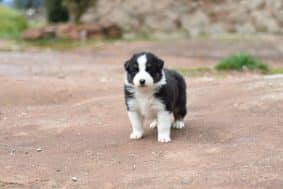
153, 92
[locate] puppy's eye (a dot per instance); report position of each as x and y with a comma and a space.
136, 68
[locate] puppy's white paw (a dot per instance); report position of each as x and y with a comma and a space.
178, 124
153, 124
164, 139
136, 135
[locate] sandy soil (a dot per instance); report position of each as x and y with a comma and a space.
62, 115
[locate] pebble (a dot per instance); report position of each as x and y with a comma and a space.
74, 179
12, 152
39, 149
185, 180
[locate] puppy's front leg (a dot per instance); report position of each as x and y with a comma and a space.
164, 119
136, 120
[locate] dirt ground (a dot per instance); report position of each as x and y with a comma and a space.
64, 125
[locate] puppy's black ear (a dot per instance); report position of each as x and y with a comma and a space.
160, 63
126, 65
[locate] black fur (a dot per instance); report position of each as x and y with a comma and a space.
172, 94
128, 94
154, 66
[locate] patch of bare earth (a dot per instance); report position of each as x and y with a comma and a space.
64, 125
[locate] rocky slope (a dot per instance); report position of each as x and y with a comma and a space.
193, 16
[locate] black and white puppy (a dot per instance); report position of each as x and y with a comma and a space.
154, 92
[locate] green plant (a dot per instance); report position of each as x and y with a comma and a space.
276, 71
56, 12
241, 62
77, 8
12, 23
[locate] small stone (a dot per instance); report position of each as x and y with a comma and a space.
185, 180
12, 152
74, 179
58, 170
39, 149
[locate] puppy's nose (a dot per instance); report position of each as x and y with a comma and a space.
142, 81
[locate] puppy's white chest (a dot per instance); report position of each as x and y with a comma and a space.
148, 105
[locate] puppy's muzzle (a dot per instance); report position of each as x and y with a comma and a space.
142, 82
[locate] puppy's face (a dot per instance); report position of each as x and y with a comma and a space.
144, 69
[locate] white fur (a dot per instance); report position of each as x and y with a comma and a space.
178, 124
153, 124
164, 126
155, 85
142, 74
146, 105
161, 82
137, 125
142, 59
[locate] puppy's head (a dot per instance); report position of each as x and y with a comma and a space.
144, 69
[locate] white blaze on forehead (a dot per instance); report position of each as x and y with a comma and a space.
142, 62
142, 74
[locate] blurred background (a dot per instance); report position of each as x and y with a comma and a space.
129, 19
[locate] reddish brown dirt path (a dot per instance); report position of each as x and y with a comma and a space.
70, 105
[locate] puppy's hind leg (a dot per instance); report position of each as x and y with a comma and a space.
179, 114
180, 109
136, 120
178, 124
